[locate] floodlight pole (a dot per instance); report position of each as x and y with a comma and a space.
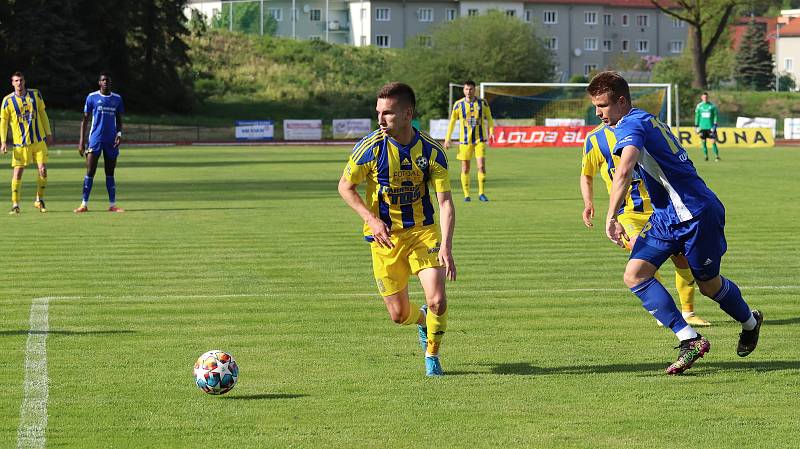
777, 60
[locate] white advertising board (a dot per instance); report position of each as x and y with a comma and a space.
255, 130
302, 129
351, 128
564, 122
757, 122
439, 130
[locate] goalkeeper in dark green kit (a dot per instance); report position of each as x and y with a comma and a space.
705, 120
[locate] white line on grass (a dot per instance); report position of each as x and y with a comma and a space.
365, 294
33, 411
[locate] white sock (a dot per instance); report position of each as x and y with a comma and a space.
687, 333
750, 324
687, 314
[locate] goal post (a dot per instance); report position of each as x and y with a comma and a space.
534, 103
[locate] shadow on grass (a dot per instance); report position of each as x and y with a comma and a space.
60, 332
782, 322
527, 369
252, 397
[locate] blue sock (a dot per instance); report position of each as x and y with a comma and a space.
656, 300
111, 186
87, 188
730, 300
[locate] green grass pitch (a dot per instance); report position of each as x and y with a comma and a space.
251, 250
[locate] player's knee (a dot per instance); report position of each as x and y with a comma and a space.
397, 316
632, 278
43, 172
706, 289
437, 304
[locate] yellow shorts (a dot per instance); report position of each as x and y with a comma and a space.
414, 249
633, 224
465, 151
24, 155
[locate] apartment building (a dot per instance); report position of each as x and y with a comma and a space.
584, 35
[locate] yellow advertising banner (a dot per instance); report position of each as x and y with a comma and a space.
730, 137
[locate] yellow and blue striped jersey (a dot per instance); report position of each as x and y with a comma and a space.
27, 117
397, 178
598, 157
472, 115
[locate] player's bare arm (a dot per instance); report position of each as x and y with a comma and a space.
82, 138
380, 232
587, 192
619, 189
448, 224
118, 139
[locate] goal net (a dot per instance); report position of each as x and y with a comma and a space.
558, 103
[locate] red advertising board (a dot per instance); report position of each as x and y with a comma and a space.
540, 136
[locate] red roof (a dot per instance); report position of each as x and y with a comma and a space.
792, 29
739, 28
614, 3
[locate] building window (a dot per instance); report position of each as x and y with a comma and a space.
277, 14
425, 14
382, 40
625, 45
643, 46
588, 69
315, 15
450, 15
624, 20
641, 20
676, 46
550, 18
511, 13
315, 38
425, 41
677, 23
528, 16
607, 45
607, 20
383, 14
788, 64
551, 43
590, 18
472, 12
590, 44
363, 41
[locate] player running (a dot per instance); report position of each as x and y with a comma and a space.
24, 111
105, 108
705, 120
687, 217
472, 112
635, 212
398, 162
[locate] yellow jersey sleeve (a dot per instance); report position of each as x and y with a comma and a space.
43, 114
489, 119
440, 176
592, 159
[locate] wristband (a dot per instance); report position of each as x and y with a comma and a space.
119, 133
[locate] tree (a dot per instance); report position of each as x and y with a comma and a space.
506, 49
711, 16
754, 61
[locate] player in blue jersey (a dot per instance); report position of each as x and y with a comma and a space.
400, 165
105, 108
687, 219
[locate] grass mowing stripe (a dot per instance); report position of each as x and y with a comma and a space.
33, 412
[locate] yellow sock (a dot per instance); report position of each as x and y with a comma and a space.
16, 186
465, 184
41, 184
481, 182
437, 324
413, 317
684, 282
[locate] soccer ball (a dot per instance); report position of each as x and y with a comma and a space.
215, 372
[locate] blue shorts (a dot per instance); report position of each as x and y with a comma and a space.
108, 149
701, 240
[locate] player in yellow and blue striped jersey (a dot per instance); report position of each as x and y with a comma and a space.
24, 111
635, 212
400, 165
472, 113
